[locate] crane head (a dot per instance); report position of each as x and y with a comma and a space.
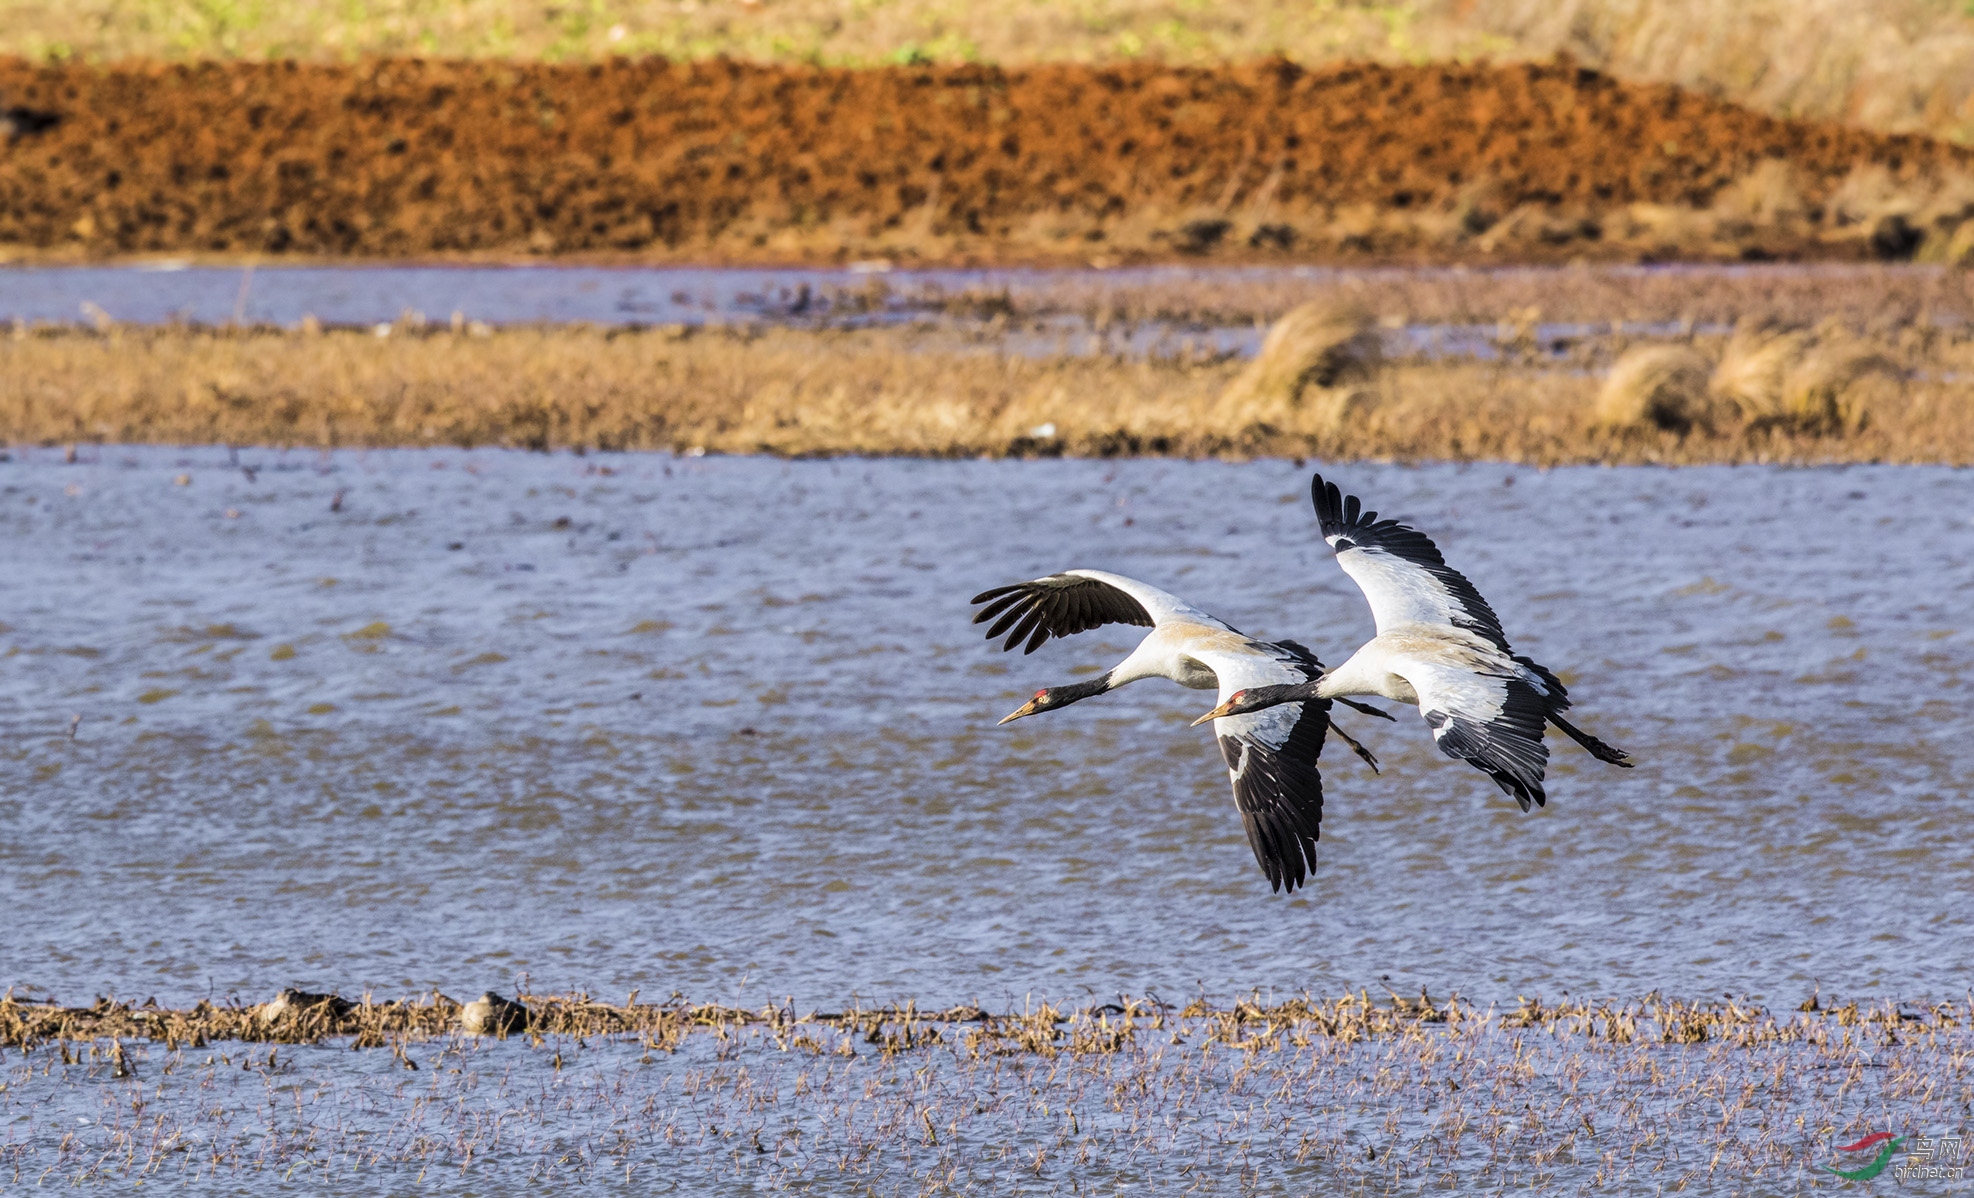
1051, 697
1258, 698
1044, 700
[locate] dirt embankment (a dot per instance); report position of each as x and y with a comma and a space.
657, 160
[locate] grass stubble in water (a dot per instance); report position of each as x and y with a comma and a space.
1351, 1095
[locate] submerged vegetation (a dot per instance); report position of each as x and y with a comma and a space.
1345, 1091
1046, 1029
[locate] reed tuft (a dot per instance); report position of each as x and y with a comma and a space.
1660, 387
1316, 370
1836, 388
1754, 369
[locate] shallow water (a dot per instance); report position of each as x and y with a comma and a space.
502, 295
162, 292
720, 726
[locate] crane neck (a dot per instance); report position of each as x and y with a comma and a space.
1075, 692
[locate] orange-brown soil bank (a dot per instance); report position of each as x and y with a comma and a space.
721, 160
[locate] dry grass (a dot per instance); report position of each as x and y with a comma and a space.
933, 393
1754, 369
1046, 1029
1904, 65
1836, 388
1656, 386
1769, 377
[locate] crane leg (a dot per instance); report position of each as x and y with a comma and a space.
1367, 709
1369, 758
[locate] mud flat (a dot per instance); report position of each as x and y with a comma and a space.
1052, 163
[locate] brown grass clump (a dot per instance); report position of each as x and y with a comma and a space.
1315, 370
1770, 378
1836, 388
1778, 377
1662, 387
1754, 370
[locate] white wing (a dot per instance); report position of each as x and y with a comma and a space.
1400, 570
1492, 721
1077, 601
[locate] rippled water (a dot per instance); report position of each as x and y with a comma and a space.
720, 726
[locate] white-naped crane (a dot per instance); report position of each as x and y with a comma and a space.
1270, 755
1439, 645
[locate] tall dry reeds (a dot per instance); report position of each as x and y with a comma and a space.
894, 391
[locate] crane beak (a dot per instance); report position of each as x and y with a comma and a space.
1220, 712
1027, 708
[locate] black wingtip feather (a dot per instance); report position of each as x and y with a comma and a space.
995, 608
1059, 605
1013, 616
1028, 623
1324, 496
1279, 793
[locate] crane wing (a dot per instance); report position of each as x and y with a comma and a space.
1493, 722
1076, 601
1271, 761
1400, 570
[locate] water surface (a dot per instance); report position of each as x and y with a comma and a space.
445, 718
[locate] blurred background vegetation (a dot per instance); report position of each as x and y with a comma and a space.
1894, 65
